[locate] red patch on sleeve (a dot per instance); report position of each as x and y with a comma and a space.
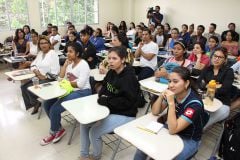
189, 112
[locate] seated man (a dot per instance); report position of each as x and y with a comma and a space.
147, 51
89, 50
71, 28
55, 39
231, 27
197, 38
48, 31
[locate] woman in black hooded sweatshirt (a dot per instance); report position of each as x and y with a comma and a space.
120, 92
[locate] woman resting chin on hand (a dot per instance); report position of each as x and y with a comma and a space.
185, 117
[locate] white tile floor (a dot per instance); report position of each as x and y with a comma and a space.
20, 132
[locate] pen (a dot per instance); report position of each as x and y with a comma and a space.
145, 129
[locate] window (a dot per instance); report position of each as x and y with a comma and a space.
58, 12
13, 14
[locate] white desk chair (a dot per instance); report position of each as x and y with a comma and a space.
72, 121
116, 143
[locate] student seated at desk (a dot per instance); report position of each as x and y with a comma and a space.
72, 38
118, 40
27, 32
236, 99
47, 61
147, 51
33, 50
55, 39
20, 47
185, 113
97, 40
219, 71
178, 59
232, 46
77, 71
170, 42
212, 45
89, 50
138, 38
198, 58
120, 97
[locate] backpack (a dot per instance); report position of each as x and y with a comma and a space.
230, 142
141, 101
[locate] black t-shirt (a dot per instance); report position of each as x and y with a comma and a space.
89, 50
157, 16
137, 41
224, 77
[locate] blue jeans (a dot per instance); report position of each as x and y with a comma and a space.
189, 148
91, 133
54, 108
219, 115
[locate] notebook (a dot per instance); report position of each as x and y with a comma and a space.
152, 127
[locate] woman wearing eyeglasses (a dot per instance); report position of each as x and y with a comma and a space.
47, 61
219, 71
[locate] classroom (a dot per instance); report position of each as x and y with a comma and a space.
119, 80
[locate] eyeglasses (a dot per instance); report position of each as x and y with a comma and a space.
218, 57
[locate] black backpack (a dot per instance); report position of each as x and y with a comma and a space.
230, 143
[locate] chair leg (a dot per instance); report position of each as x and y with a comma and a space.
148, 106
116, 149
149, 103
40, 112
218, 141
73, 129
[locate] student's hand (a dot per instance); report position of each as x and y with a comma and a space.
199, 55
67, 62
36, 72
141, 45
169, 95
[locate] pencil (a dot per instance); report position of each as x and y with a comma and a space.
147, 130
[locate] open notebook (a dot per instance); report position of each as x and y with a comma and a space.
152, 127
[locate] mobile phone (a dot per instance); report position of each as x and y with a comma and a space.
46, 84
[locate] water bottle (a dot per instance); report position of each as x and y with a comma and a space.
211, 89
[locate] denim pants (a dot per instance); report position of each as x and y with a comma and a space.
29, 98
54, 108
190, 147
91, 133
219, 115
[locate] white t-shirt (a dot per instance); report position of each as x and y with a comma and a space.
159, 39
80, 74
152, 48
236, 67
131, 32
48, 62
33, 48
56, 38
